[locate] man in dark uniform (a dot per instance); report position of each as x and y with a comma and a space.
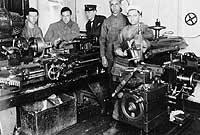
93, 29
93, 26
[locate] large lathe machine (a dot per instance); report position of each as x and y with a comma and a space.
34, 70
164, 87
161, 88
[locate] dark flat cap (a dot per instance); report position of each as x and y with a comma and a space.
90, 7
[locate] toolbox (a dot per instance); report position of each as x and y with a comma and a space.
51, 120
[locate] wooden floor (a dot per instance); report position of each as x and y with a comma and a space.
97, 124
104, 125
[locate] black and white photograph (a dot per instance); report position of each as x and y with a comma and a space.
99, 67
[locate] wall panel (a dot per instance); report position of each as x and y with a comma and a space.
191, 33
171, 13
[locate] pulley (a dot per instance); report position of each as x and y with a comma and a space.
192, 80
38, 45
132, 107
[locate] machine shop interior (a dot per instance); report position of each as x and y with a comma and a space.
99, 67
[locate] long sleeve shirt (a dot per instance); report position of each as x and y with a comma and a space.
62, 30
129, 33
28, 32
110, 29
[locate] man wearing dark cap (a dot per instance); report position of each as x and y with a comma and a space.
93, 26
65, 29
93, 29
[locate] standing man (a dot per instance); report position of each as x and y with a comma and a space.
137, 35
93, 26
31, 28
111, 27
93, 29
110, 30
65, 29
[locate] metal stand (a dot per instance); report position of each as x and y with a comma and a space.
157, 29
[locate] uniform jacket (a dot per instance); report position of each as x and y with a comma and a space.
96, 27
110, 29
62, 30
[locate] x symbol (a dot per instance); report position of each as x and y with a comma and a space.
191, 19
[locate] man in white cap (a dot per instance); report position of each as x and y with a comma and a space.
128, 40
133, 39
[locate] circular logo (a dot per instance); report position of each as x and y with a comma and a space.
191, 19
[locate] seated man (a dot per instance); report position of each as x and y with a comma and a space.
65, 29
133, 41
93, 26
31, 28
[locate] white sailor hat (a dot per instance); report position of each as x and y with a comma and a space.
134, 7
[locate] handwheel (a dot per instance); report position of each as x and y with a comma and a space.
54, 72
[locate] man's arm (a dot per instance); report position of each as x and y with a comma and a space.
117, 43
24, 33
40, 34
102, 39
120, 45
50, 36
87, 28
147, 33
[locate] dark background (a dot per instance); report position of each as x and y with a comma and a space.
19, 6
